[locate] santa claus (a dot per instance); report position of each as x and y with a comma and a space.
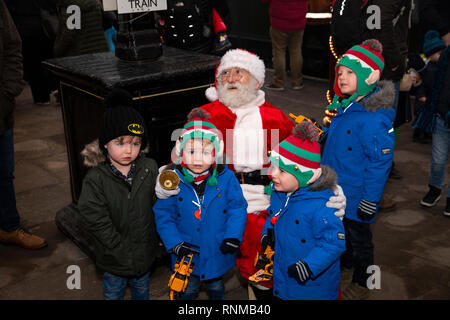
250, 127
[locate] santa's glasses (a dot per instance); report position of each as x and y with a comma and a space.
235, 74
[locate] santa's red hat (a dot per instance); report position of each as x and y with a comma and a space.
238, 58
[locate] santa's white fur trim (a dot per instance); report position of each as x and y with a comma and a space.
238, 58
211, 94
257, 200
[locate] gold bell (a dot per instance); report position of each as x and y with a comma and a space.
296, 167
169, 180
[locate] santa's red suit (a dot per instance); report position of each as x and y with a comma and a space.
249, 131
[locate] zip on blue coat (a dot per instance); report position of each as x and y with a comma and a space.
223, 215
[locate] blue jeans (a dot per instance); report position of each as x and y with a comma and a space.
216, 288
9, 216
114, 287
439, 154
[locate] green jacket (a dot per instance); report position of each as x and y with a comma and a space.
11, 71
120, 218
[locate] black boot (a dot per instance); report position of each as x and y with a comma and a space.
394, 174
447, 208
432, 197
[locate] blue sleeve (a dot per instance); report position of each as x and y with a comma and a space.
165, 211
236, 209
377, 139
329, 234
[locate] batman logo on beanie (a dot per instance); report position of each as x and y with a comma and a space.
136, 128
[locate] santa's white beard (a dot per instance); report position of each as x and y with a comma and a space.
241, 95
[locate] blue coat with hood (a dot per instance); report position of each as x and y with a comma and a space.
309, 231
360, 147
223, 215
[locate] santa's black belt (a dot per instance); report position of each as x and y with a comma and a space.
254, 177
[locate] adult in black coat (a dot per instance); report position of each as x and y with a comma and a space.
36, 46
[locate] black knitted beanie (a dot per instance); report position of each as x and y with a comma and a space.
121, 119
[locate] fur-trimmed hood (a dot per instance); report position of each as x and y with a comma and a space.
328, 180
382, 98
93, 155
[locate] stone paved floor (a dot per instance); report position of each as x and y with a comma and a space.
412, 245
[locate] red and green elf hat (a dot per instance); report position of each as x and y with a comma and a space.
363, 59
199, 126
299, 154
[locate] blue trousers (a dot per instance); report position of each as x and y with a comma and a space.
439, 154
114, 287
9, 217
216, 288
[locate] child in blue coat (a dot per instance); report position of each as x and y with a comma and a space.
360, 146
309, 238
209, 212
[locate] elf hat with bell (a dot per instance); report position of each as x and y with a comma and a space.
367, 62
299, 154
237, 58
199, 126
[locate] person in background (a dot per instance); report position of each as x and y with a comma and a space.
11, 85
287, 26
432, 48
89, 38
435, 118
37, 45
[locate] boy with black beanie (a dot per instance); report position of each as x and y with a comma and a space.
117, 198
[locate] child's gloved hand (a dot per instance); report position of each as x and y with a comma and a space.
299, 271
183, 249
338, 202
162, 193
230, 245
366, 210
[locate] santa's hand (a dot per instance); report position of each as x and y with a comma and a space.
162, 193
338, 202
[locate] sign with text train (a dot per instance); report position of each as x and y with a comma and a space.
134, 6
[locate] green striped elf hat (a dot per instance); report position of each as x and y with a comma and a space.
199, 126
299, 154
367, 62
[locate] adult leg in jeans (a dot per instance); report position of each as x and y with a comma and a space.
216, 289
9, 216
11, 231
439, 154
192, 289
361, 239
140, 287
279, 45
296, 57
113, 286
